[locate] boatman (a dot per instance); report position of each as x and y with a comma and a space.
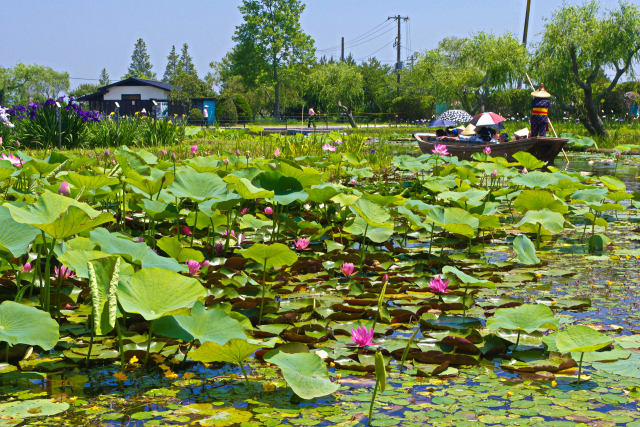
540, 112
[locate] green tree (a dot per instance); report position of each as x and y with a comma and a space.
172, 65
84, 89
185, 63
377, 84
186, 86
579, 45
331, 84
104, 77
31, 82
140, 62
272, 29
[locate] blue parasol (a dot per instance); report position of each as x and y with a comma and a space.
439, 123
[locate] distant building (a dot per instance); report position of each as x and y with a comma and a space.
132, 94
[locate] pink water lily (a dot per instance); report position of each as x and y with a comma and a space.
362, 336
328, 147
438, 285
268, 210
186, 230
15, 161
348, 269
244, 211
302, 243
194, 267
487, 150
26, 268
63, 272
64, 189
440, 150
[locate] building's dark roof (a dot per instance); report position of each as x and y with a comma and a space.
131, 81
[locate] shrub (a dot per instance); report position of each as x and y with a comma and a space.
243, 108
413, 107
195, 116
226, 112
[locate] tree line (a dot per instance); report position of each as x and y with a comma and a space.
272, 70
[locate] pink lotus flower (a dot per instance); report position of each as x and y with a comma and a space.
225, 233
226, 160
63, 272
440, 150
362, 336
107, 152
487, 150
524, 170
494, 172
385, 278
348, 269
302, 243
276, 153
64, 189
17, 143
244, 211
328, 147
618, 154
140, 239
219, 247
164, 151
186, 230
15, 161
194, 267
26, 268
268, 210
173, 155
194, 149
0, 141
353, 182
438, 285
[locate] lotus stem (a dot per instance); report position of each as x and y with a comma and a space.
93, 333
187, 353
146, 356
6, 353
517, 342
120, 349
433, 225
364, 246
246, 377
580, 367
373, 398
406, 349
195, 225
264, 285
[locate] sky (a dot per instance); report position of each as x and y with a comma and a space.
82, 37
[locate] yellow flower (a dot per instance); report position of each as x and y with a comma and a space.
164, 367
333, 365
627, 256
174, 361
538, 275
133, 360
509, 393
120, 376
157, 357
338, 376
170, 375
269, 387
554, 383
609, 282
73, 399
188, 375
205, 364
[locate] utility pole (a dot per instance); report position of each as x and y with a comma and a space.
399, 19
342, 51
524, 34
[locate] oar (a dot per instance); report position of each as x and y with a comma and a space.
550, 124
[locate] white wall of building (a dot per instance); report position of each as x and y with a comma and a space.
146, 92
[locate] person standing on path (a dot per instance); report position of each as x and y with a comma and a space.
205, 115
540, 112
312, 117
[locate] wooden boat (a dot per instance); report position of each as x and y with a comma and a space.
544, 148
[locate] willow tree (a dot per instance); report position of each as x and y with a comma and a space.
583, 55
272, 29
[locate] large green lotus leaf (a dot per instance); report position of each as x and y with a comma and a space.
626, 368
385, 200
31, 408
152, 184
612, 183
581, 338
197, 186
215, 415
472, 194
454, 220
15, 237
58, 216
375, 234
590, 195
536, 179
213, 325
246, 189
175, 249
21, 324
323, 192
552, 222
449, 323
226, 202
204, 164
43, 168
138, 253
104, 310
286, 190
612, 355
77, 259
525, 250
234, 351
534, 200
411, 217
159, 210
528, 160
306, 176
270, 256
305, 373
131, 160
155, 292
90, 183
6, 170
374, 214
250, 221
469, 281
525, 317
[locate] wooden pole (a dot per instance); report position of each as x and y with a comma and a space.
550, 124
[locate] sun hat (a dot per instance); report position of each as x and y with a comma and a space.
470, 130
541, 93
524, 132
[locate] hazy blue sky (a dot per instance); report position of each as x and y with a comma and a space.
82, 37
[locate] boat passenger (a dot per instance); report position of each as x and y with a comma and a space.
504, 137
540, 112
469, 135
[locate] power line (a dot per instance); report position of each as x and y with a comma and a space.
374, 52
83, 78
372, 38
356, 40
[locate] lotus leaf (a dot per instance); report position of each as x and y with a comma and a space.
374, 214
14, 236
270, 256
213, 325
234, 351
31, 408
21, 324
528, 160
525, 250
580, 338
197, 186
549, 221
533, 200
526, 317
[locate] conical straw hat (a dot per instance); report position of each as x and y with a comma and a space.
469, 130
541, 93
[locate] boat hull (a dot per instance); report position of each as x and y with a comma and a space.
543, 148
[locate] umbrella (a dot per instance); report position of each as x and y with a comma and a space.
440, 123
487, 119
458, 116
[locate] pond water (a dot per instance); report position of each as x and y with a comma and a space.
601, 290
